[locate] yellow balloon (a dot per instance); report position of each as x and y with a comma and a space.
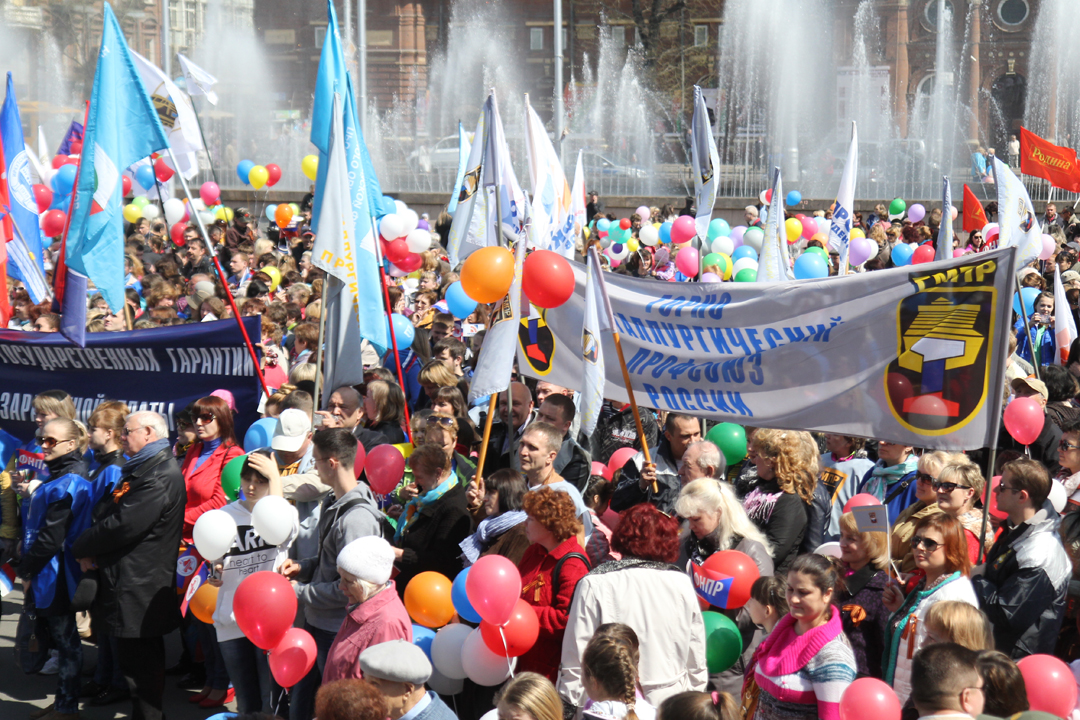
587, 232
258, 176
405, 448
224, 213
414, 275
132, 213
310, 166
275, 276
656, 225
794, 230
632, 245
727, 265
857, 233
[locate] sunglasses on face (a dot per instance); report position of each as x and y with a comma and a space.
205, 418
924, 477
948, 487
48, 443
926, 543
1066, 445
443, 421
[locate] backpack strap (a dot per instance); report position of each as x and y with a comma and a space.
557, 570
899, 489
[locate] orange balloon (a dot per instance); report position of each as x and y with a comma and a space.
283, 215
487, 274
203, 603
428, 599
820, 236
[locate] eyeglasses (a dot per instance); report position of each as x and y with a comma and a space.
1066, 445
205, 418
927, 543
924, 477
1002, 487
444, 421
948, 487
48, 443
128, 431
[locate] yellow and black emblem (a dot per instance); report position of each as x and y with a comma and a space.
536, 339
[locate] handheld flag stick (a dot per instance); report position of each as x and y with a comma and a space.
1027, 329
487, 437
389, 322
322, 336
160, 197
633, 404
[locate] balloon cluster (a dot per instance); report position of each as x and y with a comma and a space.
258, 176
547, 280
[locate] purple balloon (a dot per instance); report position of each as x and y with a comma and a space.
711, 278
859, 251
916, 213
737, 233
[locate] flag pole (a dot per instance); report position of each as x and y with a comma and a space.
224, 280
209, 157
390, 324
322, 336
487, 437
633, 403
1027, 329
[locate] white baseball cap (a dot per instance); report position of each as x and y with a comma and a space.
292, 429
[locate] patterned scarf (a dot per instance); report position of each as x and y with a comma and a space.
488, 530
882, 477
420, 502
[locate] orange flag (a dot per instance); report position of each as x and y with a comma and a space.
1057, 165
974, 216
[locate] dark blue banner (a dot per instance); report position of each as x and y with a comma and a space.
161, 369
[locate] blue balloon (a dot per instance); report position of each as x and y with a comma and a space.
460, 305
1030, 295
64, 180
794, 197
270, 210
145, 177
387, 206
744, 251
422, 637
259, 434
60, 202
811, 265
665, 232
603, 224
901, 254
461, 599
242, 170
403, 330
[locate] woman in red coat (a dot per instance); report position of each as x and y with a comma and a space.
552, 528
214, 446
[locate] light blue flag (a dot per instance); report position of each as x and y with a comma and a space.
27, 264
123, 127
464, 148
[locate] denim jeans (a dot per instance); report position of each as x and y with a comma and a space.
302, 696
249, 669
65, 638
217, 676
108, 673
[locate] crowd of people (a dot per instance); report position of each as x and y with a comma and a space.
941, 608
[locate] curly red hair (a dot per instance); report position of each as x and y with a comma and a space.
350, 699
647, 534
554, 510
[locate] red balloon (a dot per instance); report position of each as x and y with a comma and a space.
397, 250
361, 456
625, 223
53, 223
736, 565
768, 196
1024, 420
493, 588
1050, 684
163, 172
44, 197
126, 182
71, 160
994, 512
923, 254
273, 174
75, 148
176, 232
872, 699
293, 657
520, 631
264, 607
599, 468
861, 500
412, 262
547, 279
385, 467
58, 161
619, 458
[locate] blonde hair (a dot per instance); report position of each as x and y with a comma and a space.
609, 662
302, 372
961, 623
533, 694
74, 429
55, 402
796, 456
939, 459
966, 474
874, 542
709, 495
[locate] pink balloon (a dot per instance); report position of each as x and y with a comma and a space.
683, 229
871, 699
385, 467
1048, 248
687, 261
599, 468
959, 253
493, 588
644, 213
809, 226
293, 657
861, 500
210, 193
994, 512
1050, 684
1024, 420
620, 457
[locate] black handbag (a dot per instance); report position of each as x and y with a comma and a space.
31, 642
85, 592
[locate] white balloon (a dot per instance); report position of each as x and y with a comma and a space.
198, 204
214, 533
207, 217
742, 264
418, 240
444, 685
446, 651
151, 212
483, 666
274, 519
648, 235
1058, 497
873, 250
829, 549
763, 198
392, 227
400, 207
723, 244
174, 211
410, 218
753, 237
621, 253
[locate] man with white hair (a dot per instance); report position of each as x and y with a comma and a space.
702, 460
133, 542
751, 215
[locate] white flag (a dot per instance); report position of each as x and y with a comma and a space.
470, 218
199, 82
499, 177
496, 361
1064, 324
871, 518
774, 265
553, 223
706, 163
176, 113
945, 232
1017, 222
578, 205
840, 225
598, 320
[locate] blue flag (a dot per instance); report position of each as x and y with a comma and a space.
123, 127
74, 134
27, 263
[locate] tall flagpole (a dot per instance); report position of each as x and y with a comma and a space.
389, 322
498, 238
206, 146
322, 335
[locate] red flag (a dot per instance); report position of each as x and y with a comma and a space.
1057, 165
974, 216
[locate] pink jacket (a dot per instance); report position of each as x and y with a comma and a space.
381, 619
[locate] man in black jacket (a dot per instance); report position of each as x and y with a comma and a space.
573, 461
638, 477
133, 542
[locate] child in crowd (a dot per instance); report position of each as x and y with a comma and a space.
767, 604
961, 623
609, 674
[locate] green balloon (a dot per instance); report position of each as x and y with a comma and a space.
230, 477
723, 643
746, 275
817, 251
711, 259
897, 207
731, 439
140, 201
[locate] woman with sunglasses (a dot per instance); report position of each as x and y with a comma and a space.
958, 488
442, 430
941, 552
930, 465
1069, 460
976, 244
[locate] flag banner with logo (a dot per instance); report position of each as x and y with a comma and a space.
843, 210
711, 585
871, 518
912, 354
1041, 158
161, 369
1017, 222
705, 162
